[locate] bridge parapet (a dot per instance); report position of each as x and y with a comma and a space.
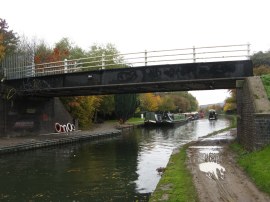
18, 67
170, 77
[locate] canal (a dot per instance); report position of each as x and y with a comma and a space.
118, 169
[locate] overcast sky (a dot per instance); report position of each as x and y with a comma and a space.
137, 25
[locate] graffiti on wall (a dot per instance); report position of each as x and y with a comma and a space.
69, 127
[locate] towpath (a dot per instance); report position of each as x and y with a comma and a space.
216, 175
17, 143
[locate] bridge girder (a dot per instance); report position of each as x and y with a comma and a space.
158, 78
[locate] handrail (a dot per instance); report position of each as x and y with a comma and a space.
133, 59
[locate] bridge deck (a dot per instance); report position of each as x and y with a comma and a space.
156, 78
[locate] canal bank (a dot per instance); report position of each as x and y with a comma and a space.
99, 131
206, 170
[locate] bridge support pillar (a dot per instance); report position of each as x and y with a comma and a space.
253, 114
240, 104
31, 115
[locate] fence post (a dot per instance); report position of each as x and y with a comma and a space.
248, 50
65, 66
33, 64
194, 54
145, 57
103, 61
5, 72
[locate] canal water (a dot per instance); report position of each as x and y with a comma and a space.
118, 169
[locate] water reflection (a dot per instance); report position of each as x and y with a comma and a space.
161, 141
118, 169
213, 170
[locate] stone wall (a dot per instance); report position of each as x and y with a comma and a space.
253, 109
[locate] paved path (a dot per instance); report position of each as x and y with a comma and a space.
9, 144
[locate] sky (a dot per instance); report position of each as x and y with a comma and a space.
138, 25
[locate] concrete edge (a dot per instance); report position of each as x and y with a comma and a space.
258, 95
47, 143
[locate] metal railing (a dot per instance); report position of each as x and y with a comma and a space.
144, 58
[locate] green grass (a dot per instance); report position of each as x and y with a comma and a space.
266, 83
135, 120
256, 164
176, 183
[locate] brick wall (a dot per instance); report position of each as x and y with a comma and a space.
253, 109
262, 130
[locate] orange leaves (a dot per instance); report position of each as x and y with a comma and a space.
230, 102
176, 101
2, 47
54, 56
58, 55
73, 104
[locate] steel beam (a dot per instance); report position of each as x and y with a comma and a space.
158, 78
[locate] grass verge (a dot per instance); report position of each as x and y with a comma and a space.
176, 183
266, 82
256, 165
135, 121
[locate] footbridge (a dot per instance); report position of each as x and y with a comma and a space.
195, 68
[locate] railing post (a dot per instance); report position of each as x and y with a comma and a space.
65, 66
33, 64
103, 61
248, 50
194, 54
5, 72
145, 57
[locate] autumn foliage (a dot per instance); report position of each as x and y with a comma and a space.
2, 47
150, 102
82, 108
175, 101
230, 102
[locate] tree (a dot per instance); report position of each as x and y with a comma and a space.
8, 39
82, 108
107, 105
261, 58
230, 102
2, 47
104, 57
125, 106
167, 104
261, 63
192, 100
182, 104
42, 53
149, 102
77, 52
179, 101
